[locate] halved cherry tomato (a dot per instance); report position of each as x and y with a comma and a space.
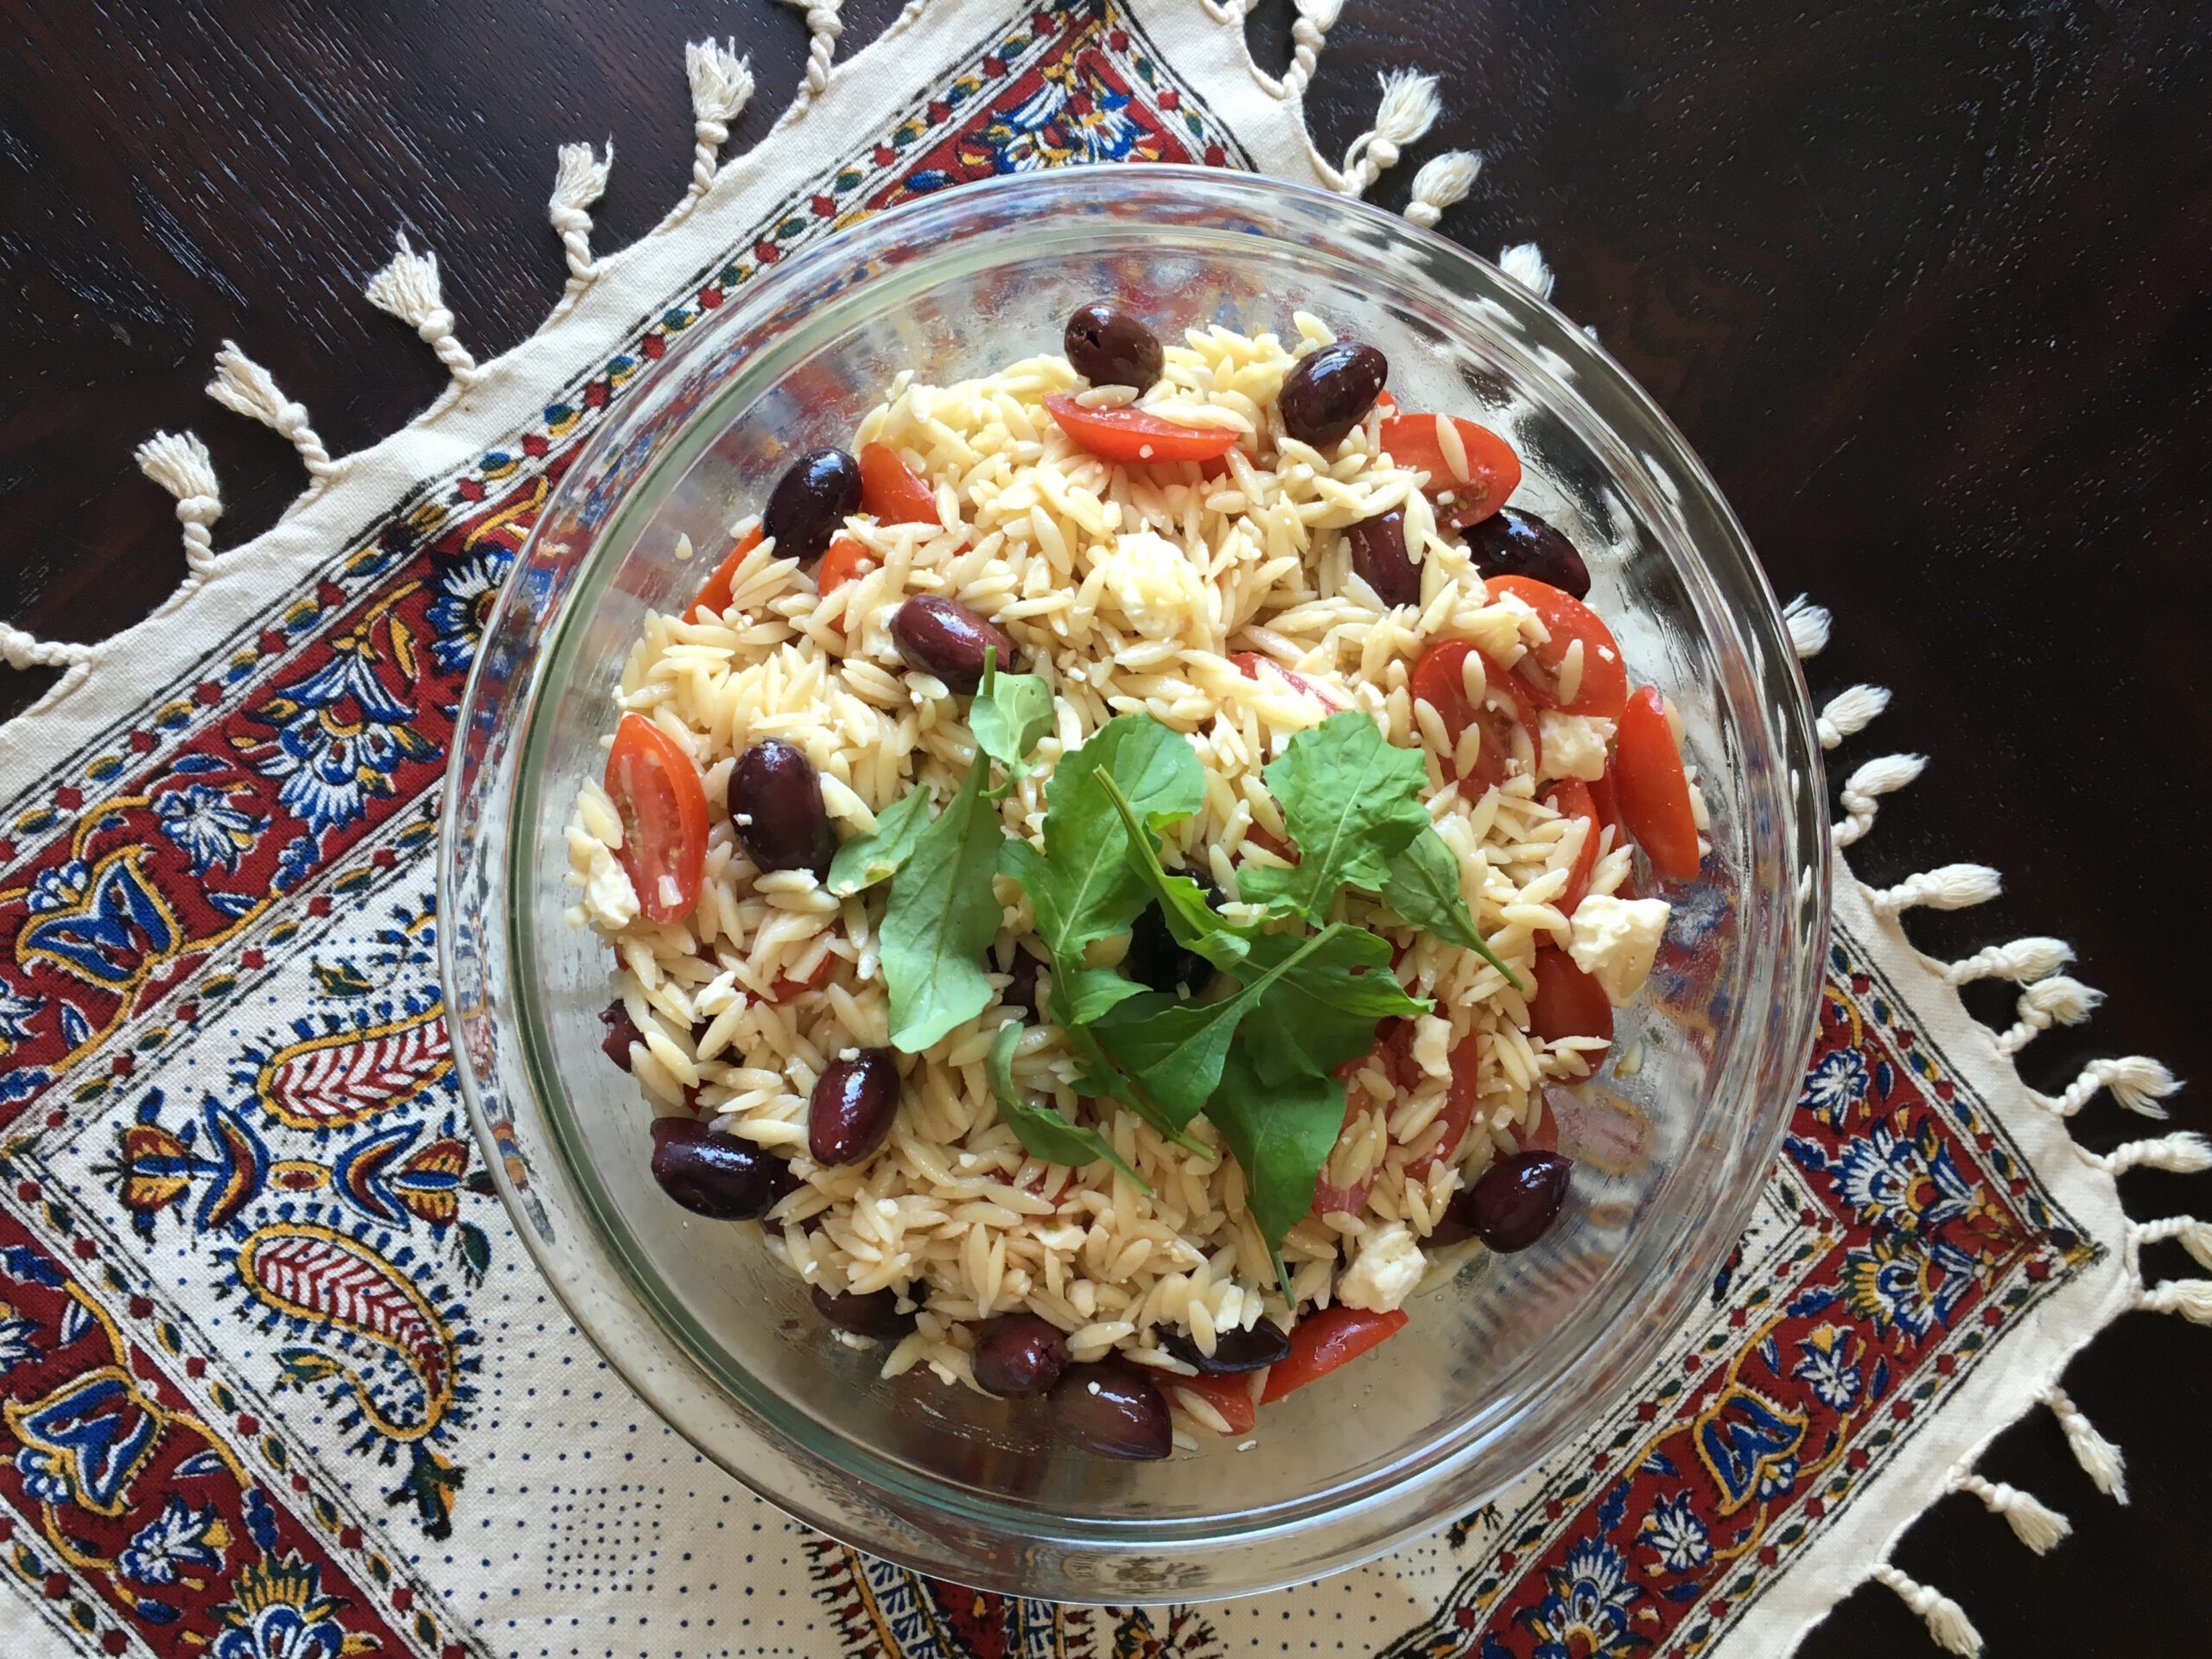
1229, 1396
1507, 715
714, 598
1604, 686
1570, 798
786, 989
1130, 435
1252, 665
890, 490
846, 561
1458, 1106
1569, 1003
1652, 789
1386, 403
1324, 1340
1328, 1198
656, 788
1492, 471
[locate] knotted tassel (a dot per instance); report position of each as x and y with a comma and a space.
2195, 1235
1408, 109
1946, 1620
1524, 263
1861, 792
20, 649
579, 180
2184, 1154
1314, 20
243, 386
2041, 1528
2099, 1459
1849, 713
2190, 1298
1809, 626
2138, 1083
408, 289
721, 85
2059, 1000
2020, 961
1442, 181
178, 462
823, 26
1951, 887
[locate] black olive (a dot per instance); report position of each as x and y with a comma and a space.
1112, 1410
1021, 990
1234, 1351
850, 1114
621, 1032
810, 502
1154, 957
1018, 1354
944, 637
775, 803
875, 1315
1378, 553
1330, 391
1110, 347
1512, 543
1514, 1203
716, 1175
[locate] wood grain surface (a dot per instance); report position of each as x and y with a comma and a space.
1929, 285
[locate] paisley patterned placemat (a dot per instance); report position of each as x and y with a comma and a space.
276, 1380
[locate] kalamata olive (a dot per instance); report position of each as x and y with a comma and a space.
1110, 347
1514, 1203
775, 804
1330, 391
875, 1315
1512, 543
1112, 1410
1155, 958
850, 1113
1378, 553
1021, 990
713, 1174
1018, 1354
621, 1032
944, 637
1235, 1352
810, 502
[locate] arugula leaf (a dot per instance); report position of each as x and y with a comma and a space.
1010, 712
866, 860
1281, 1132
941, 916
1351, 799
1081, 887
1042, 1133
1423, 885
1176, 1049
1182, 900
1324, 1010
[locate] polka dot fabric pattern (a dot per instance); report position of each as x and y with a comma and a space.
275, 1378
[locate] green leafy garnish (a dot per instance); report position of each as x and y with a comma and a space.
1351, 799
1009, 713
1044, 1134
1280, 1133
1323, 1010
881, 853
1423, 885
1194, 922
941, 916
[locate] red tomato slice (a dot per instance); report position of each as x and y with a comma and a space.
890, 490
714, 599
1386, 403
1324, 1340
1330, 1199
1130, 435
1252, 665
1490, 471
846, 561
656, 787
1570, 798
1568, 1002
1604, 686
1458, 1108
1506, 716
1229, 1396
786, 989
1653, 789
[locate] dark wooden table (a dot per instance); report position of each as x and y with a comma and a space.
1929, 285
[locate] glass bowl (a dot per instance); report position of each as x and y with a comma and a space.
1499, 1364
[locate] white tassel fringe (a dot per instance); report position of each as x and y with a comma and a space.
178, 462
2020, 961
1946, 1620
1443, 180
823, 26
579, 180
721, 85
2041, 1528
1951, 887
408, 289
2184, 1154
243, 386
1850, 713
1883, 775
1315, 19
1809, 626
2138, 1083
2059, 1000
1524, 263
20, 649
2099, 1459
1408, 109
2195, 1235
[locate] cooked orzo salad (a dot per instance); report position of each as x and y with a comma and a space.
1105, 870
